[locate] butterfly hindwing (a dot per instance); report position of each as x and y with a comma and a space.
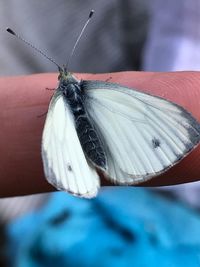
64, 161
143, 135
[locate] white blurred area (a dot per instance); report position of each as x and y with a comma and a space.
173, 44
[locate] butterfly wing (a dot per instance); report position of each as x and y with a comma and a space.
65, 165
143, 135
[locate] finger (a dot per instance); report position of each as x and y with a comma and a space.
22, 99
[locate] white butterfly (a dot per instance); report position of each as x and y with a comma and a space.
131, 136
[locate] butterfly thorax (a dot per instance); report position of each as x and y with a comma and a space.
90, 142
74, 96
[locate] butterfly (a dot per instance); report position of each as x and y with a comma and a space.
129, 135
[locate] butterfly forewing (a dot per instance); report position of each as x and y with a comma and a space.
143, 135
64, 161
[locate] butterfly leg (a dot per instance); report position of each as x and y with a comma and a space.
50, 89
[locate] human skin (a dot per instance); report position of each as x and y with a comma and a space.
24, 99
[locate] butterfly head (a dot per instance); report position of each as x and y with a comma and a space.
65, 76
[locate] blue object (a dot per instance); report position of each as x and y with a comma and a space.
121, 227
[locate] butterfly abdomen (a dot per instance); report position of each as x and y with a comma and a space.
90, 141
87, 134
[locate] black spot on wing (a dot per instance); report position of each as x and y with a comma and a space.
69, 167
155, 142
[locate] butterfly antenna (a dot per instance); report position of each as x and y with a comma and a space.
31, 45
78, 39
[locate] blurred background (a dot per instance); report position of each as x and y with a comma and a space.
122, 226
